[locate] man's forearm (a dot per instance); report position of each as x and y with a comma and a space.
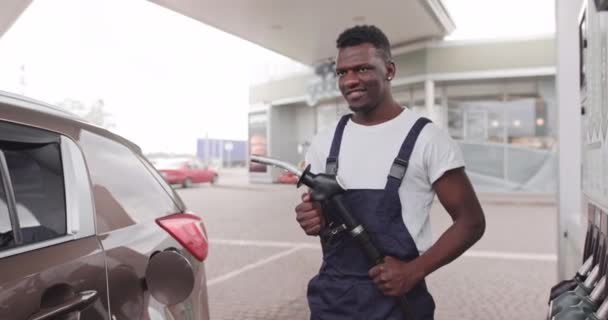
459, 237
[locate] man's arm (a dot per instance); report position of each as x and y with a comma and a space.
456, 194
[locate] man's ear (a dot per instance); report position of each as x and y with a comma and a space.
391, 70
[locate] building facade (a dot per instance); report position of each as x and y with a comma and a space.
496, 98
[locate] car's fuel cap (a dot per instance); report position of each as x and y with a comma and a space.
169, 277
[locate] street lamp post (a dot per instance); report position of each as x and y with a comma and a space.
228, 146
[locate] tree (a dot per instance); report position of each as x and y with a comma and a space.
94, 113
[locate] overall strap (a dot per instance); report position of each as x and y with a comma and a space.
399, 167
331, 165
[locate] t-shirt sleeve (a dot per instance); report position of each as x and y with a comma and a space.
316, 154
441, 154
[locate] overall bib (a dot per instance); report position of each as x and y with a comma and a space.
343, 289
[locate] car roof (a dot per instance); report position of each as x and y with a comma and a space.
36, 105
48, 113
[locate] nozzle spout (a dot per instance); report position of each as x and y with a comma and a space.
277, 163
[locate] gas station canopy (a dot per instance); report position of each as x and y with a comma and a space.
305, 31
10, 12
302, 30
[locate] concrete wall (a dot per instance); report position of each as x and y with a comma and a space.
280, 89
411, 63
530, 53
440, 59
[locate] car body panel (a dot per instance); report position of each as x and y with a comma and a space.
112, 262
69, 267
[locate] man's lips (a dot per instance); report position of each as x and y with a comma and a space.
355, 94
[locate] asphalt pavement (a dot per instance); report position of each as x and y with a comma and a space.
260, 261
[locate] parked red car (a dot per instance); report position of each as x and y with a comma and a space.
287, 177
185, 172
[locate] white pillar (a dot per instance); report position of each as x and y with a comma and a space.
436, 112
569, 137
429, 99
442, 109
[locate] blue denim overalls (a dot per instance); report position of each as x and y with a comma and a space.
343, 290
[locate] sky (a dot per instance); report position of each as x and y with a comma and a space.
166, 79
484, 19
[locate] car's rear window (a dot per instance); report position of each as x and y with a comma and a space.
124, 189
34, 173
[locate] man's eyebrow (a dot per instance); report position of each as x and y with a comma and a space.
367, 65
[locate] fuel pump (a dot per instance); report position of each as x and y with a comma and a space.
572, 297
586, 305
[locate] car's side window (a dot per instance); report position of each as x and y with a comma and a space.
125, 191
32, 197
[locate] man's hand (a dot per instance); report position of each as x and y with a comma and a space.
308, 215
395, 277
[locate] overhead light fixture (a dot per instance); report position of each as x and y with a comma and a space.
495, 123
517, 123
540, 122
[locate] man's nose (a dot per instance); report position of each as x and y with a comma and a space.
350, 80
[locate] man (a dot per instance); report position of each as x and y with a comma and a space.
391, 184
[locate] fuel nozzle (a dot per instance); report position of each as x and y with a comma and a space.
323, 186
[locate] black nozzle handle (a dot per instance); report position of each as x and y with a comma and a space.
358, 232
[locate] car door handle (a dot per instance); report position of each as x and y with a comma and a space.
77, 303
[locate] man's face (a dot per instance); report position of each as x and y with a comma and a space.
362, 76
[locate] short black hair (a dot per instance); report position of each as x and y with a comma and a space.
365, 34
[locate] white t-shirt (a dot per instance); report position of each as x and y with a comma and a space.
367, 153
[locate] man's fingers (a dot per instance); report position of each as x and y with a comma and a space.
304, 207
375, 271
314, 230
306, 197
311, 222
307, 215
383, 277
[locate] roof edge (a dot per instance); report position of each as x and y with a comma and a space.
15, 10
440, 14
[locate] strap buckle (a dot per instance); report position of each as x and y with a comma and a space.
398, 168
331, 165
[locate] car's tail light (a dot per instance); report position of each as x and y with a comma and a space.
189, 231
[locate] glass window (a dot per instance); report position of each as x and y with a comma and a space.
124, 189
506, 129
35, 174
514, 112
476, 120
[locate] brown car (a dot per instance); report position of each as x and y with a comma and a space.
88, 228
